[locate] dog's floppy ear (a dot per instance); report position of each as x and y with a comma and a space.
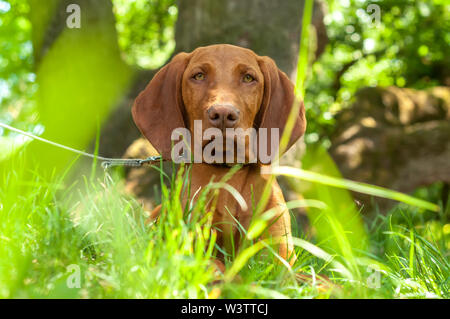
277, 103
158, 110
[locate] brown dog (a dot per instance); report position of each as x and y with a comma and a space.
224, 86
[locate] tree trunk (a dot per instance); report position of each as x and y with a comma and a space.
49, 20
263, 26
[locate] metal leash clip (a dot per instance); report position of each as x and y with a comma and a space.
129, 162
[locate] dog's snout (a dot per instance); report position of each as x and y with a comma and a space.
223, 116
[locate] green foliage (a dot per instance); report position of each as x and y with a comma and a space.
407, 48
17, 80
146, 30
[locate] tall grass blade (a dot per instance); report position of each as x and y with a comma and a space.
354, 186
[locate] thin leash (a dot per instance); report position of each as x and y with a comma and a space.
106, 162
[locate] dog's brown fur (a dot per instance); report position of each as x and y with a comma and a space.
176, 97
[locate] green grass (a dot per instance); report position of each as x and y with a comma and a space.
46, 226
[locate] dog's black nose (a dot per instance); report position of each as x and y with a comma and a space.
223, 116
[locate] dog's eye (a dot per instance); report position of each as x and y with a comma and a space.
199, 76
248, 78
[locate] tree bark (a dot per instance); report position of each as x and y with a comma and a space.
263, 26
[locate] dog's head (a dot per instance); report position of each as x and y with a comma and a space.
222, 86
